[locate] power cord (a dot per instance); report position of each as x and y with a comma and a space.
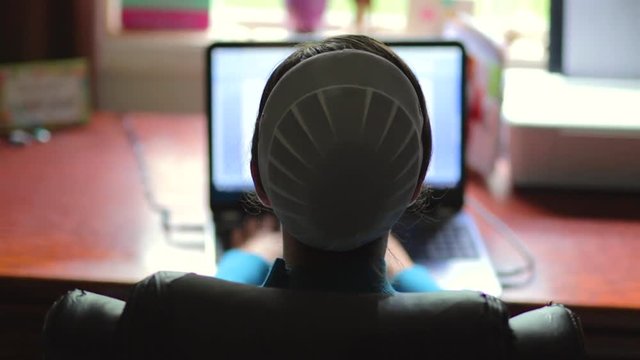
168, 227
526, 271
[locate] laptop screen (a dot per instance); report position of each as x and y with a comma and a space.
238, 73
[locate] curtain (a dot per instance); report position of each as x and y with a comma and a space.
46, 29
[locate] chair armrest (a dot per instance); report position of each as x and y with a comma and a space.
552, 332
82, 325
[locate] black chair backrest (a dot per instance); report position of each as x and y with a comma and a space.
186, 316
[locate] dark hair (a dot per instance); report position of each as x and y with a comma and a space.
343, 42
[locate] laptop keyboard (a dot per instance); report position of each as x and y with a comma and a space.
450, 241
423, 240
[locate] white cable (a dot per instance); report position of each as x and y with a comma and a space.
529, 261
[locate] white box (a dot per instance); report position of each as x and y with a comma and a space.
572, 132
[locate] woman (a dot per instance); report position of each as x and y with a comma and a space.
340, 149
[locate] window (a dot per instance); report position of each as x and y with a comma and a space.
265, 19
162, 70
523, 24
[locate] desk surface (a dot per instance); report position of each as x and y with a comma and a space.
73, 209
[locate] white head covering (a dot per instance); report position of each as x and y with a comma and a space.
339, 149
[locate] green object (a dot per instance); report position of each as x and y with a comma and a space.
495, 81
168, 4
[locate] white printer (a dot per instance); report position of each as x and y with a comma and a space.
572, 132
579, 128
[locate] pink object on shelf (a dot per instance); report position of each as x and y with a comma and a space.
306, 15
140, 18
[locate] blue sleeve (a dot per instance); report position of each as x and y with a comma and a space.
242, 267
414, 279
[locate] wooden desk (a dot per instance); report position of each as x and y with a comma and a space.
585, 245
587, 252
73, 214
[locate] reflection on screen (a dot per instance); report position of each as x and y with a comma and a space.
238, 77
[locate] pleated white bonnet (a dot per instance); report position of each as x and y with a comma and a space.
339, 148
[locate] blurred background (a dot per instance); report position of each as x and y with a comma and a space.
149, 54
552, 109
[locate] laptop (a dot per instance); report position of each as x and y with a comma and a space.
443, 238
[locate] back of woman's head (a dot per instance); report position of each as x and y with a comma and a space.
342, 142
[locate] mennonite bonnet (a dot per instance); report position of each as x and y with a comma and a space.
339, 149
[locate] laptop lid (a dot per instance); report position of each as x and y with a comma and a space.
237, 73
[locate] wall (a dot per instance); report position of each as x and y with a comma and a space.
147, 71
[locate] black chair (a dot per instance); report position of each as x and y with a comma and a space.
186, 316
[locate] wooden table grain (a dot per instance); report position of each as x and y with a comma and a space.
73, 214
74, 208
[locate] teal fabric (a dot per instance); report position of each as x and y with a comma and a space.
242, 267
246, 268
414, 279
346, 278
